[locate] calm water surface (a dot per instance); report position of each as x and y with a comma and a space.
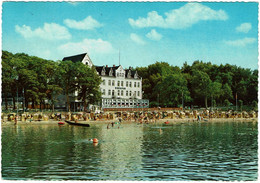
189, 151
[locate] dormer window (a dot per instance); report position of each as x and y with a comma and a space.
111, 72
129, 74
103, 72
136, 75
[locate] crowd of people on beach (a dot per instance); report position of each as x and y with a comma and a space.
139, 117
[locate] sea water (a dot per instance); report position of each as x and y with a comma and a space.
225, 151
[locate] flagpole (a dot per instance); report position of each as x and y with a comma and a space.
119, 57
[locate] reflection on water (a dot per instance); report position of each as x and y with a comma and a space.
190, 151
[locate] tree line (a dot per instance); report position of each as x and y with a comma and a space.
40, 82
200, 84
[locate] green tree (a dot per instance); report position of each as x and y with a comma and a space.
240, 104
152, 76
172, 88
201, 85
214, 90
226, 103
255, 105
88, 83
68, 81
226, 93
8, 75
53, 83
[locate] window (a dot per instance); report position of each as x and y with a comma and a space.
104, 82
138, 93
104, 92
118, 92
122, 92
109, 82
122, 83
138, 84
103, 72
113, 82
126, 93
109, 92
118, 83
135, 93
117, 74
135, 84
126, 84
110, 72
130, 84
113, 92
130, 93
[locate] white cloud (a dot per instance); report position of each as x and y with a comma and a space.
241, 42
153, 35
74, 3
88, 23
137, 39
91, 46
49, 31
181, 18
244, 27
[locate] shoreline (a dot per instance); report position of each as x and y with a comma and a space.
160, 121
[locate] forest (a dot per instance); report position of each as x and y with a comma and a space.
198, 85
39, 81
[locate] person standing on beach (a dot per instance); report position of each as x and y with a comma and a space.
15, 120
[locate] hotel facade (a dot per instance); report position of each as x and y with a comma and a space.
120, 88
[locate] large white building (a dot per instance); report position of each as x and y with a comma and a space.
120, 88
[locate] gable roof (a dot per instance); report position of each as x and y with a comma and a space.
133, 73
99, 69
75, 58
114, 69
107, 69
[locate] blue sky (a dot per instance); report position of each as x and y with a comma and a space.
143, 32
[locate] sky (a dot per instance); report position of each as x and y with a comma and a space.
135, 34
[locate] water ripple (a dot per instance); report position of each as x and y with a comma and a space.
192, 151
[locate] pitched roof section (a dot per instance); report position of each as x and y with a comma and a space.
114, 68
107, 69
85, 58
75, 58
99, 69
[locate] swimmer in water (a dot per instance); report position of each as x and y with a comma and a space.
160, 131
